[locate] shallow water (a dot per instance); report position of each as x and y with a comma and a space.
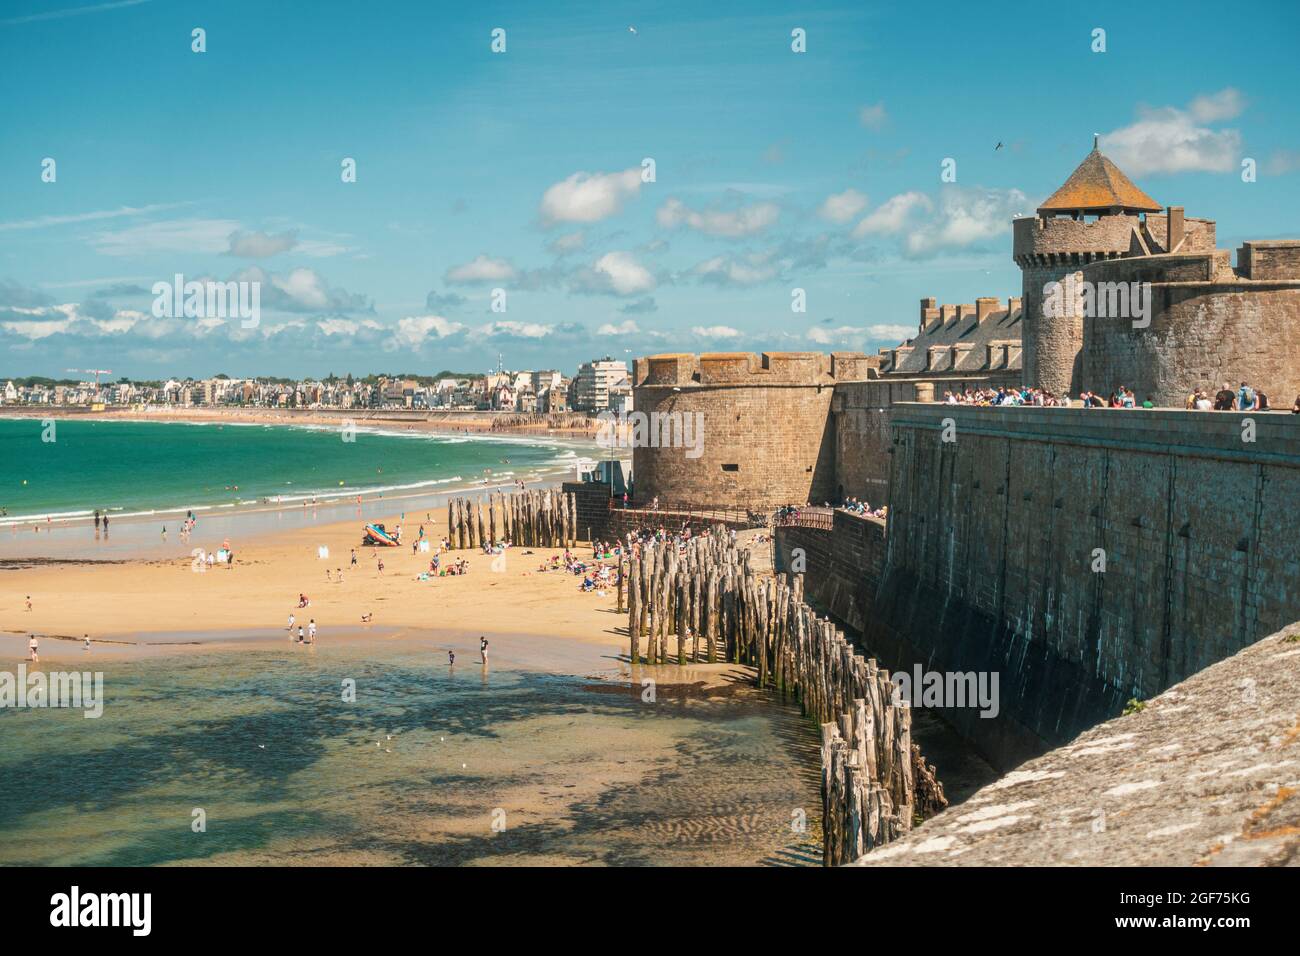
429, 766
129, 469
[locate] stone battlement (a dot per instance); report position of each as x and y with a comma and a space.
1062, 241
807, 369
1265, 261
1039, 241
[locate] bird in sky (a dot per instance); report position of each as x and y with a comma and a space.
998, 146
632, 30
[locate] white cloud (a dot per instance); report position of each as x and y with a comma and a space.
71, 12
727, 223
413, 330
43, 221
626, 327
873, 117
589, 197
892, 216
301, 290
966, 217
894, 333
339, 326
260, 245
172, 235
841, 207
38, 330
305, 287
857, 335
570, 242
626, 275
715, 332
481, 269
516, 330
725, 270
618, 273
1226, 104
833, 336
323, 248
1172, 140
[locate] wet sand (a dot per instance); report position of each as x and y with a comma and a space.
556, 733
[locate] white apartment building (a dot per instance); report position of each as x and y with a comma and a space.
593, 382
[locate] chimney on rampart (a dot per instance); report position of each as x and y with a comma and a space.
965, 311
1174, 228
984, 307
1013, 305
929, 312
947, 313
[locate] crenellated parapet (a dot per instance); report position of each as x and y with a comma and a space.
684, 369
1051, 242
759, 424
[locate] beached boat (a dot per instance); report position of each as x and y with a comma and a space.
375, 534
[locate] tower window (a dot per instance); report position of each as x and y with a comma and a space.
731, 467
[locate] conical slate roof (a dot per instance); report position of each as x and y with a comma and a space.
1098, 185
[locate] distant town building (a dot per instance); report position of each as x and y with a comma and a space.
591, 389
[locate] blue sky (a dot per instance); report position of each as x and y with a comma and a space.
521, 170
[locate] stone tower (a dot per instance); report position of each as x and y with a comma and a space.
1094, 216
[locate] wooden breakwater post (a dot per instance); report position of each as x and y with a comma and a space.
874, 779
538, 518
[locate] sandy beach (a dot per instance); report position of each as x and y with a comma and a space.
561, 425
154, 600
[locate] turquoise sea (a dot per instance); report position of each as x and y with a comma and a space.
133, 468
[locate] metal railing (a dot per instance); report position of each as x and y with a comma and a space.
670, 513
822, 519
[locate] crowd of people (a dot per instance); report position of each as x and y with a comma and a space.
859, 507
788, 514
1004, 396
603, 569
1244, 398
1228, 399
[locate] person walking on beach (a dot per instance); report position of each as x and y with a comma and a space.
29, 602
482, 647
290, 627
381, 566
300, 640
354, 557
85, 642
96, 521
311, 631
32, 647
451, 658
106, 526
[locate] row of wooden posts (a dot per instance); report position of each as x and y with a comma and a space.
535, 519
708, 599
